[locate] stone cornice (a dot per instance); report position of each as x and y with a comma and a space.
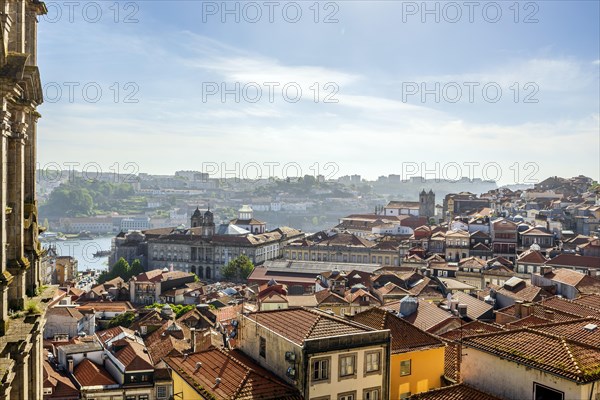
32, 86
14, 68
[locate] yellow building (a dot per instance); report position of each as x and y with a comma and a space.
65, 270
219, 374
417, 357
323, 356
344, 247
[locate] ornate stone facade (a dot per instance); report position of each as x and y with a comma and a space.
20, 251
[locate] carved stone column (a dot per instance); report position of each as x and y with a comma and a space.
5, 276
20, 387
36, 372
17, 263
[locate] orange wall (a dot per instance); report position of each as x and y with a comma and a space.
427, 369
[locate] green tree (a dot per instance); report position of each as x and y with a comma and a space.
246, 267
121, 268
229, 271
240, 267
125, 320
136, 268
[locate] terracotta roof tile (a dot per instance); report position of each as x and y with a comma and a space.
452, 362
107, 335
531, 320
553, 354
328, 297
470, 329
584, 283
574, 330
525, 293
532, 256
299, 324
572, 260
427, 317
405, 336
454, 392
476, 309
133, 355
71, 312
119, 306
590, 300
571, 306
62, 387
240, 377
89, 374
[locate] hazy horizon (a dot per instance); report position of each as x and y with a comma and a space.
494, 90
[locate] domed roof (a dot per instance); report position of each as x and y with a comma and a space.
245, 209
196, 213
166, 311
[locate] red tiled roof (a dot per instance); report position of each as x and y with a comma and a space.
574, 330
127, 348
240, 377
71, 312
405, 336
590, 300
538, 310
261, 274
353, 296
476, 308
572, 307
532, 256
557, 355
525, 293
89, 374
328, 297
530, 320
119, 306
299, 324
108, 334
62, 387
571, 260
470, 329
566, 276
228, 313
454, 392
427, 317
133, 355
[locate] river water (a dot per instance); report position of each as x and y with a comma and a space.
83, 251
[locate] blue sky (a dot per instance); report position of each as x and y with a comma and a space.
372, 58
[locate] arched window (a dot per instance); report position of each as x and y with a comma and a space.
199, 272
207, 272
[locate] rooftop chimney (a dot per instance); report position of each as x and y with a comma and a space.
70, 365
408, 305
518, 305
198, 366
193, 330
